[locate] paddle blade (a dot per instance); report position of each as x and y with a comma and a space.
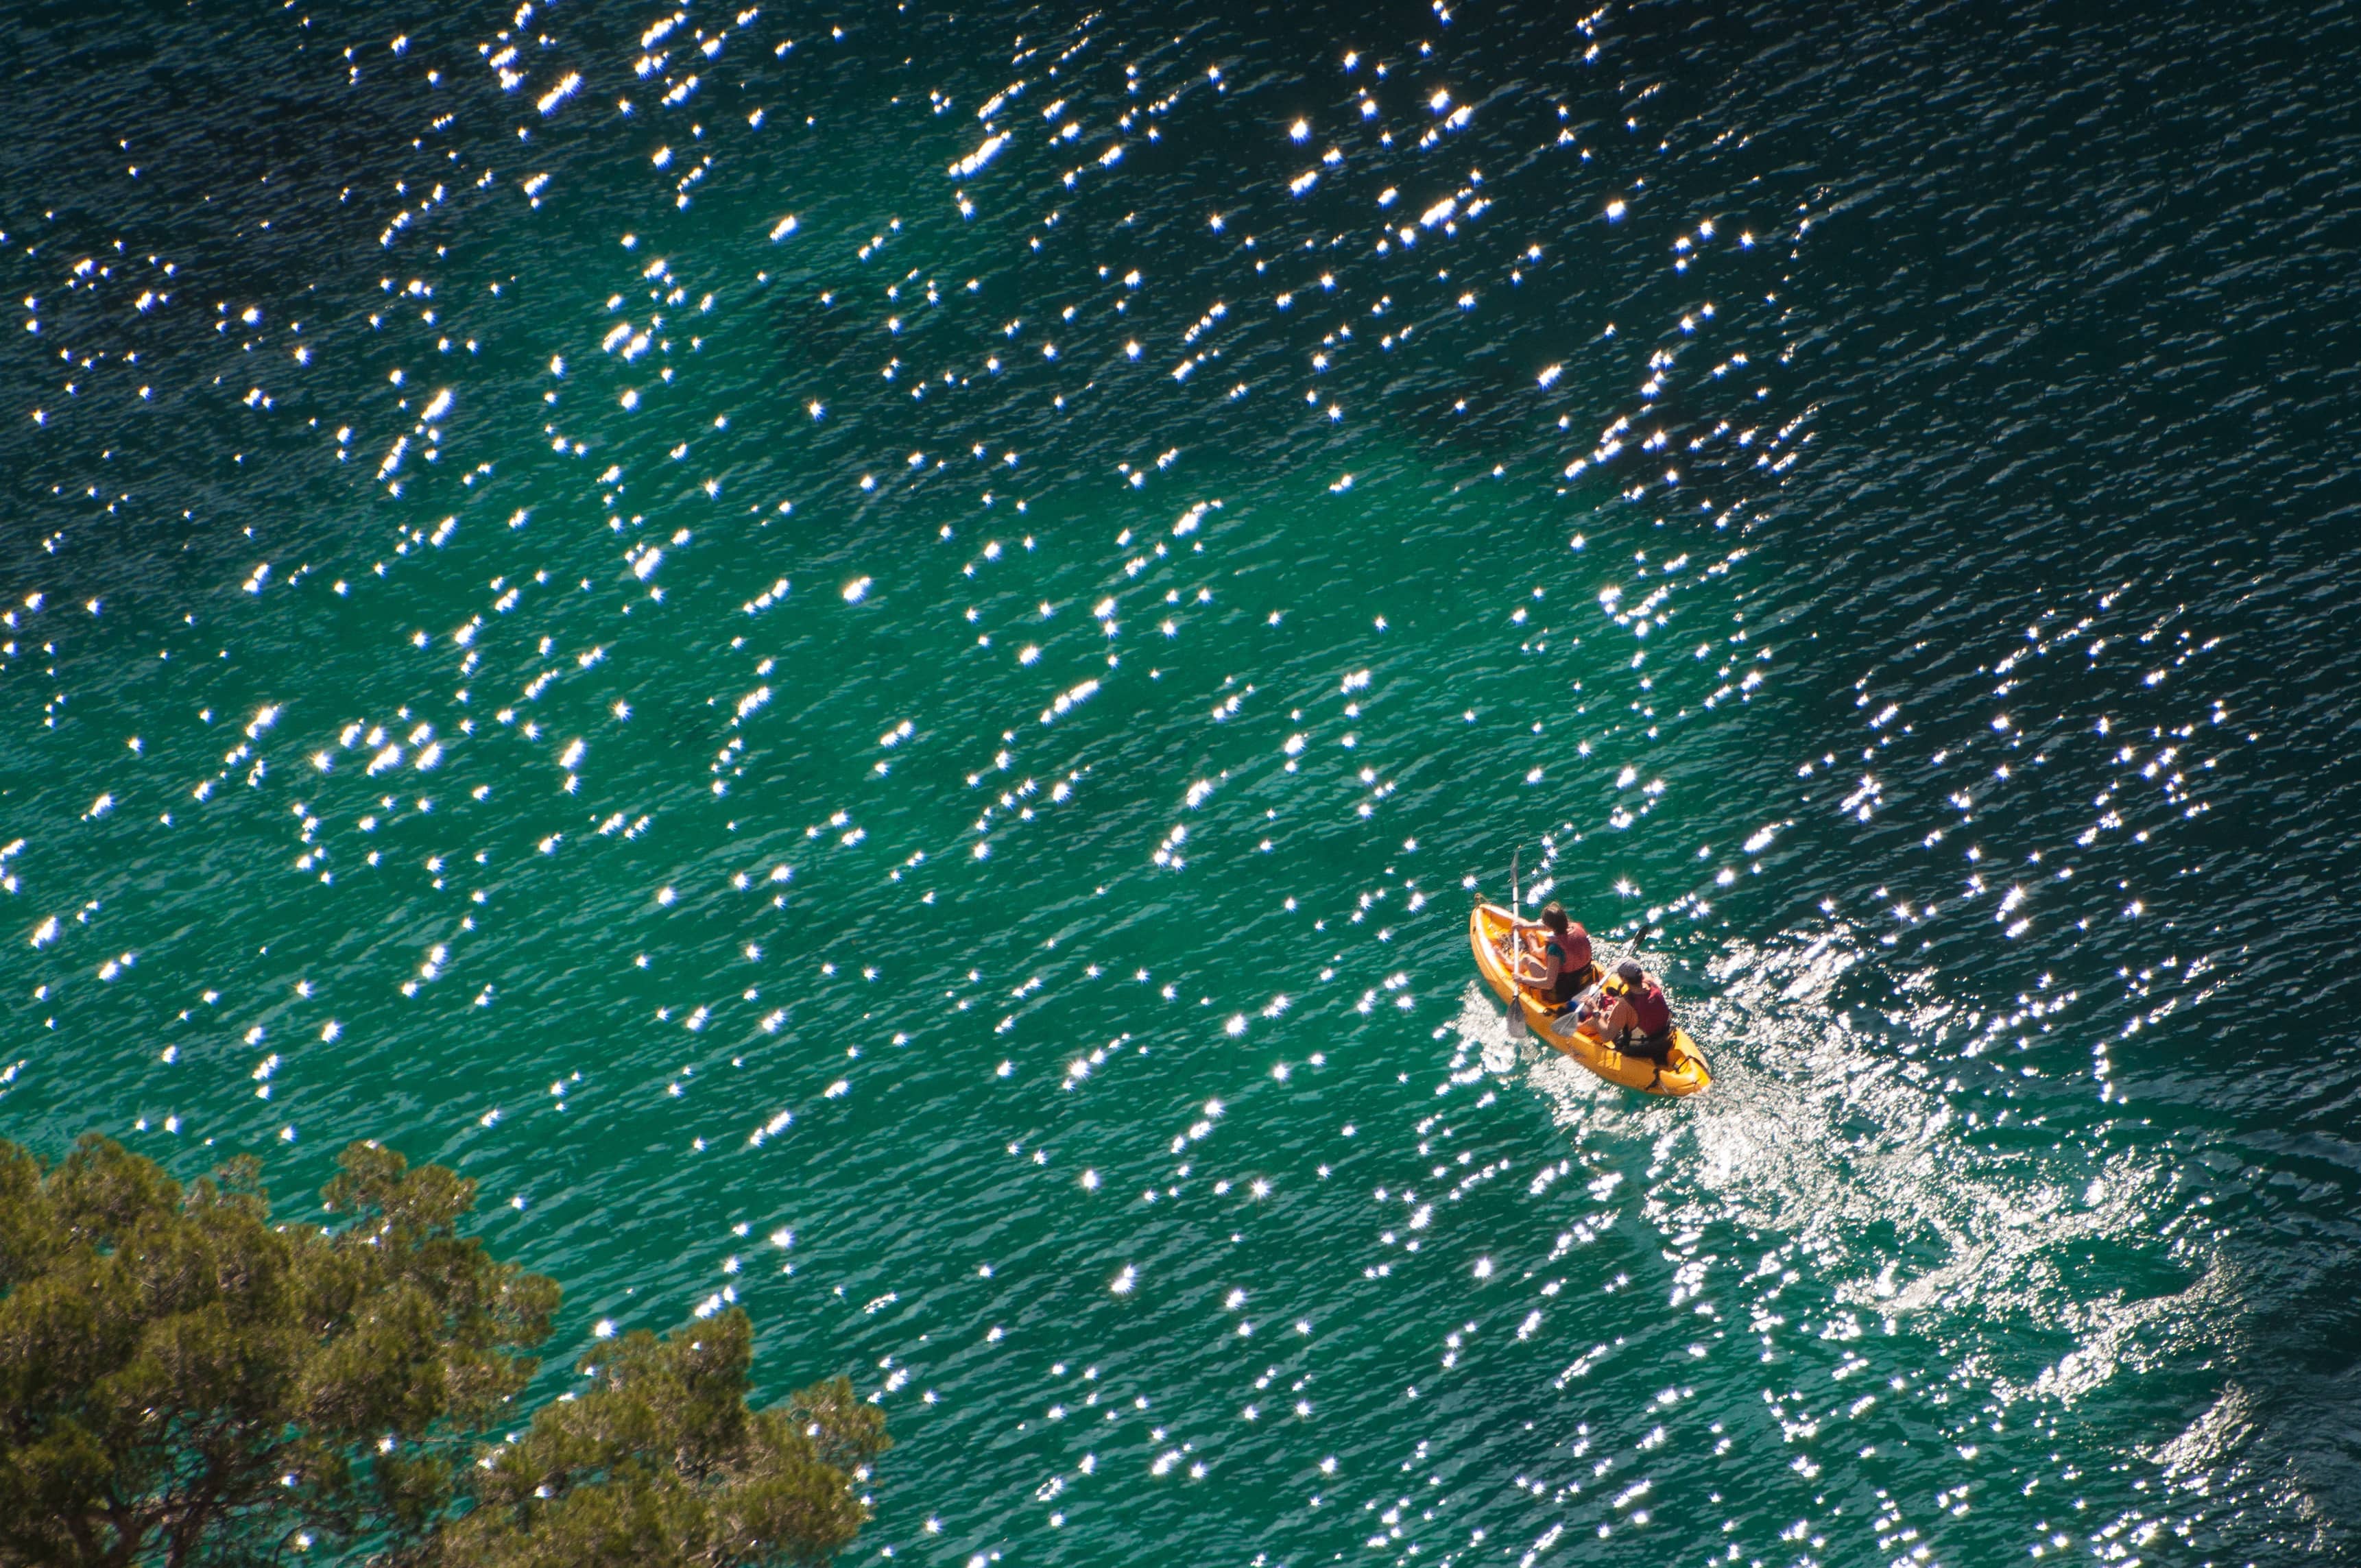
1516, 1021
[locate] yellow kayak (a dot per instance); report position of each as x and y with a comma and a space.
1686, 1073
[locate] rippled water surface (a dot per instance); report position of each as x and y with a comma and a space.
864, 658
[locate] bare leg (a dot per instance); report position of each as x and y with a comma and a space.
1530, 966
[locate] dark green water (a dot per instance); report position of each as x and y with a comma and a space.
824, 778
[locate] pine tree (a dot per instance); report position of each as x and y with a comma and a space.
660, 1465
184, 1384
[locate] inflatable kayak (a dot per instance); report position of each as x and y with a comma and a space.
1686, 1073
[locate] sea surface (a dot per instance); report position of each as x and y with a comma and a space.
866, 658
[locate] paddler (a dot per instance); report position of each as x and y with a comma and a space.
1566, 970
1638, 1020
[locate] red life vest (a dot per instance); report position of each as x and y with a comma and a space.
1648, 1002
1572, 950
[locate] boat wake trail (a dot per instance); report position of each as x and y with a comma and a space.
1900, 1206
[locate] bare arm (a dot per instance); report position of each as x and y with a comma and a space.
1610, 1021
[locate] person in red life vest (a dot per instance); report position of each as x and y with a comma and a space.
1566, 969
1640, 1021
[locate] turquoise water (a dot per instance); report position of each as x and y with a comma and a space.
923, 769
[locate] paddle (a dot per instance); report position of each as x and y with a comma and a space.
1516, 954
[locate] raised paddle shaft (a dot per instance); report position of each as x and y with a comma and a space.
1516, 953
